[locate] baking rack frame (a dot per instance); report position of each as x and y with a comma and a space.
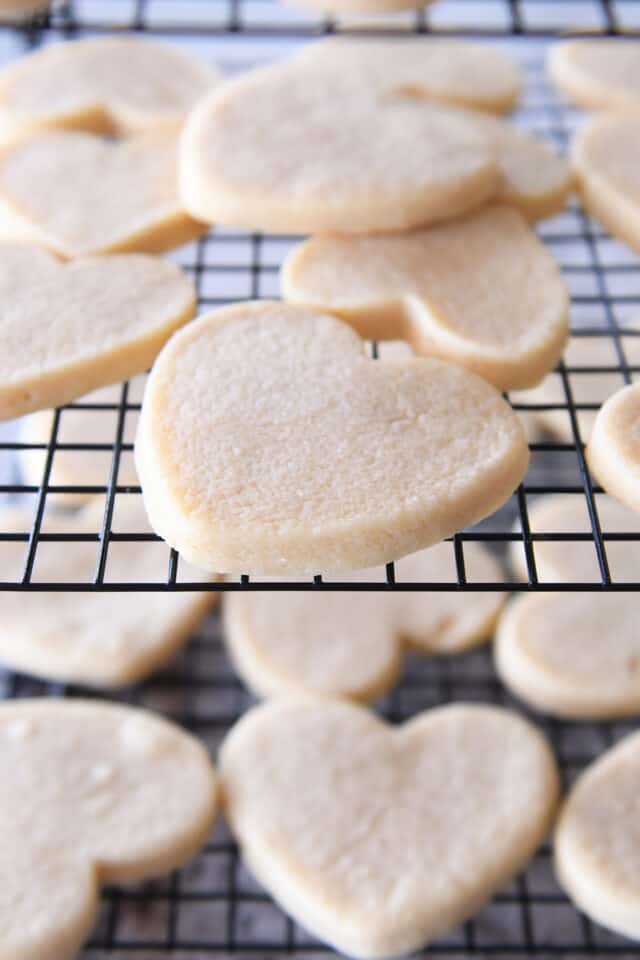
65, 21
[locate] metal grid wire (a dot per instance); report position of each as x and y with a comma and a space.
603, 276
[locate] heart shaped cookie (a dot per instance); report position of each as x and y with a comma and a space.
597, 74
613, 452
380, 839
467, 74
91, 794
297, 148
112, 316
573, 654
597, 847
269, 442
352, 646
95, 641
508, 322
605, 156
116, 85
80, 195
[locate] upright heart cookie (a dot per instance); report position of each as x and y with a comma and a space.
597, 845
472, 75
295, 148
91, 794
508, 322
597, 74
605, 155
117, 85
85, 637
573, 654
269, 443
351, 644
80, 195
112, 315
380, 839
613, 452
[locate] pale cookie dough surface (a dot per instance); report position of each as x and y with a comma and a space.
77, 426
597, 74
79, 194
613, 453
597, 840
535, 180
118, 85
112, 315
295, 148
575, 560
591, 387
270, 443
507, 322
467, 74
376, 838
605, 156
100, 640
351, 644
91, 794
574, 655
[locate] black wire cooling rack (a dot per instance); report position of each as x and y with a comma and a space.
603, 275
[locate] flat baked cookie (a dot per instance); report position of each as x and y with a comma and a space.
295, 148
605, 156
112, 315
88, 638
592, 386
597, 847
116, 85
79, 427
92, 793
507, 322
576, 560
363, 832
613, 453
78, 195
473, 75
270, 443
600, 74
351, 644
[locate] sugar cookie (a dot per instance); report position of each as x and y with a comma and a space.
473, 75
613, 452
314, 457
294, 148
78, 468
605, 155
92, 793
508, 322
597, 846
50, 194
380, 839
597, 74
95, 641
577, 560
573, 654
112, 315
116, 85
351, 644
586, 388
